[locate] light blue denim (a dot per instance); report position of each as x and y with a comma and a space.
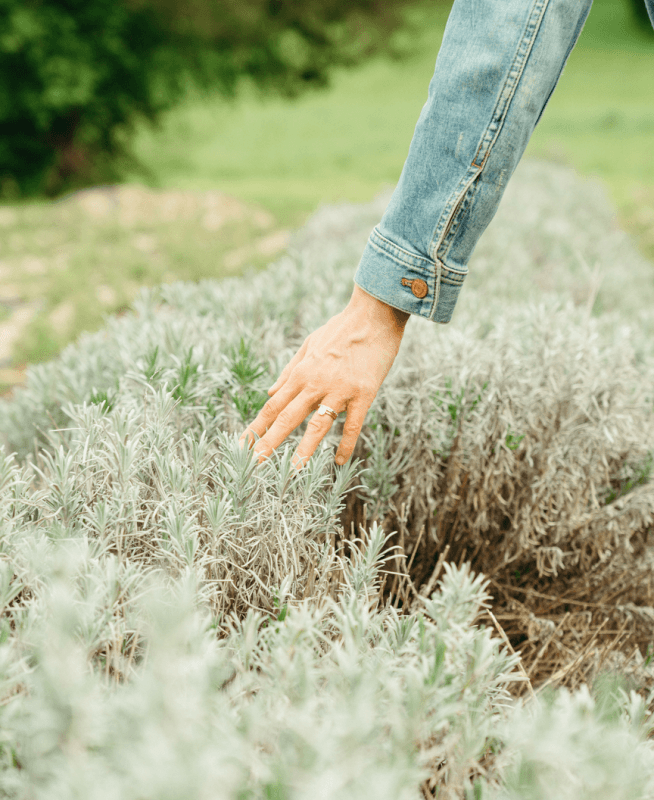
496, 70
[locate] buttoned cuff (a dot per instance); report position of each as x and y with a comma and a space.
407, 280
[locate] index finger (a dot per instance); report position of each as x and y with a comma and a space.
270, 411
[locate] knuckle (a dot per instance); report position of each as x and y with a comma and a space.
314, 391
284, 418
269, 408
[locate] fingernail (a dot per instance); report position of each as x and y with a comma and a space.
340, 460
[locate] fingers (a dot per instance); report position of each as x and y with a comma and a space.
282, 414
300, 389
270, 412
318, 428
319, 425
284, 422
356, 416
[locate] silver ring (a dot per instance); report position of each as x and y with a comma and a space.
323, 409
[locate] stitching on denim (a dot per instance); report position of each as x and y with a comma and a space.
455, 271
513, 79
437, 288
400, 262
485, 159
449, 211
450, 282
455, 204
396, 252
449, 276
459, 212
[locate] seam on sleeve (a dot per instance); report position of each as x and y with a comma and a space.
459, 200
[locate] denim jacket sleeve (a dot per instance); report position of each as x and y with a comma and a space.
497, 67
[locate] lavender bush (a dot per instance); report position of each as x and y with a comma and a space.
179, 623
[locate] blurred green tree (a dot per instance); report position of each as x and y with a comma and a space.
74, 74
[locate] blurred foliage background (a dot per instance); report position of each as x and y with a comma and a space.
75, 74
279, 104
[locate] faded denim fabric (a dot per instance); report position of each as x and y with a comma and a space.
496, 70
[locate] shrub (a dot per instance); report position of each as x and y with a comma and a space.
272, 708
114, 684
516, 440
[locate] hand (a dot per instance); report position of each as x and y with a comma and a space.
341, 364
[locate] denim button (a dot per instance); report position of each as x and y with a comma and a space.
419, 287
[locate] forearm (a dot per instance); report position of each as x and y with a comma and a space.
497, 67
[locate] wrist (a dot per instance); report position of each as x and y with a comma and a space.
361, 300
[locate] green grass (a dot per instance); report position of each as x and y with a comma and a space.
87, 255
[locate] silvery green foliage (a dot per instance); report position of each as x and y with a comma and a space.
576, 747
130, 481
172, 620
557, 234
209, 342
334, 699
213, 349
